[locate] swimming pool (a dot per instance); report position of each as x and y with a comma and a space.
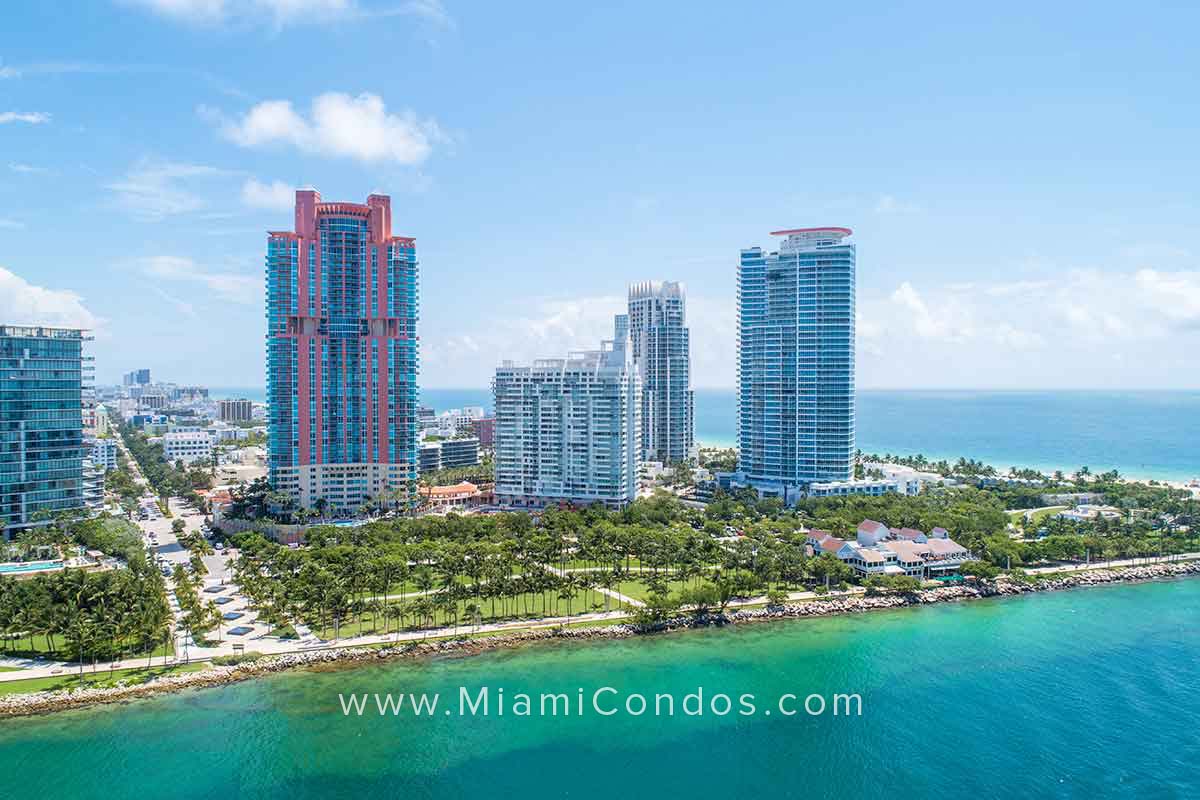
36, 566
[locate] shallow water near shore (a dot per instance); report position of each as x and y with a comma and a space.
1090, 693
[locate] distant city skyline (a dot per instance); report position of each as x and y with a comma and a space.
1030, 212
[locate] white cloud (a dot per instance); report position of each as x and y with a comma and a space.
888, 204
1043, 331
275, 196
570, 324
180, 305
11, 224
153, 190
23, 303
279, 12
27, 169
946, 319
1175, 295
31, 117
431, 11
61, 68
339, 125
467, 352
236, 288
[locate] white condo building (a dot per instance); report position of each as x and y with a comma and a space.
795, 368
659, 338
569, 429
104, 454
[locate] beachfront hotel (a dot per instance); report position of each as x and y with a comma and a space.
795, 363
342, 300
659, 338
43, 373
568, 430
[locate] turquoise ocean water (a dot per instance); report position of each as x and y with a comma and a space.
1142, 434
1083, 694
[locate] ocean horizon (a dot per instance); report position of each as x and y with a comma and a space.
1146, 434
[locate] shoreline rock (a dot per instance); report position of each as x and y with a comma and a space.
50, 701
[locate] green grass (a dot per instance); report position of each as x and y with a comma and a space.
640, 590
59, 648
10, 669
71, 680
582, 603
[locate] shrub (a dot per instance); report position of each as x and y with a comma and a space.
234, 660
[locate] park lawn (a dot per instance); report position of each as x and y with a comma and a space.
60, 649
71, 680
582, 603
640, 590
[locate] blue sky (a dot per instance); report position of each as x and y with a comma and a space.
1022, 179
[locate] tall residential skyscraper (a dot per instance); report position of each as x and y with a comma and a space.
658, 336
342, 355
795, 369
569, 429
42, 379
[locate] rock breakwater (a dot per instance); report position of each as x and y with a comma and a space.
48, 701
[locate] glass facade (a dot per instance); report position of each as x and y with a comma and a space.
796, 362
41, 423
661, 347
342, 357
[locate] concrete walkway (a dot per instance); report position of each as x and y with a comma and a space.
270, 645
1124, 562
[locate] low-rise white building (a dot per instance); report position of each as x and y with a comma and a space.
867, 487
902, 473
187, 445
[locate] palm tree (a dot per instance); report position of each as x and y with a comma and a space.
472, 611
